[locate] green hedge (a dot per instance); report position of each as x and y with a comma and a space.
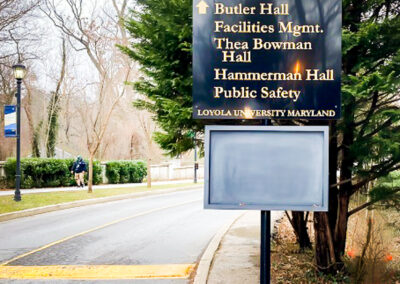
125, 171
42, 172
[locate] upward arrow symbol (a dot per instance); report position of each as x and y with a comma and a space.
202, 6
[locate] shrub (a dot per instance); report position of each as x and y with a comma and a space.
97, 176
125, 171
112, 172
46, 172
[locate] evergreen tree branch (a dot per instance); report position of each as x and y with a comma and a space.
369, 115
372, 202
386, 124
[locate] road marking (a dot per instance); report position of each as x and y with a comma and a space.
95, 229
100, 272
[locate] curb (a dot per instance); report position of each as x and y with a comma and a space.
68, 205
203, 268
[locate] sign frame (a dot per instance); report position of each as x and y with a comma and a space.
293, 129
316, 99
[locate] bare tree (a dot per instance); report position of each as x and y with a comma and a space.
148, 127
134, 145
34, 118
97, 36
14, 47
54, 108
12, 11
95, 118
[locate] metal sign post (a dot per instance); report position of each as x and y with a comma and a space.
265, 243
265, 260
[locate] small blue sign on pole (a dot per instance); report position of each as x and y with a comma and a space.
10, 121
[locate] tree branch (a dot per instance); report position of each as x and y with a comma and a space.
369, 203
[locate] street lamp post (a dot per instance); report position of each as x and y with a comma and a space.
192, 135
196, 165
19, 74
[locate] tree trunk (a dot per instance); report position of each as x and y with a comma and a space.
148, 174
341, 225
331, 227
333, 176
324, 248
52, 127
343, 205
90, 178
53, 110
36, 141
300, 226
324, 223
346, 174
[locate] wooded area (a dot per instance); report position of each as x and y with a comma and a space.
364, 144
76, 96
106, 79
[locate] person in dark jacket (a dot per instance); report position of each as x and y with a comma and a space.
79, 170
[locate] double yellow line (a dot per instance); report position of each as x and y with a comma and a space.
96, 271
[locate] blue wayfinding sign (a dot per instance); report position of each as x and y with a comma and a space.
258, 59
10, 121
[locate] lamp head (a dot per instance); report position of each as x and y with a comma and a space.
19, 71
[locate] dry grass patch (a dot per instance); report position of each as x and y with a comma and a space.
373, 247
290, 265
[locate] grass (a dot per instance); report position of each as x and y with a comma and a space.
34, 200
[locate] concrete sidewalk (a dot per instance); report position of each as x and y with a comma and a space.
95, 187
237, 259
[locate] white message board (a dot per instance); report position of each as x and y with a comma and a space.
266, 167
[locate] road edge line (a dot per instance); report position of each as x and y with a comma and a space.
68, 205
204, 266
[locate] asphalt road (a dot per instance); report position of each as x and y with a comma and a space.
163, 229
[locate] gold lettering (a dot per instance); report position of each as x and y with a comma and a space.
269, 9
225, 43
298, 30
223, 74
220, 9
316, 75
285, 45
